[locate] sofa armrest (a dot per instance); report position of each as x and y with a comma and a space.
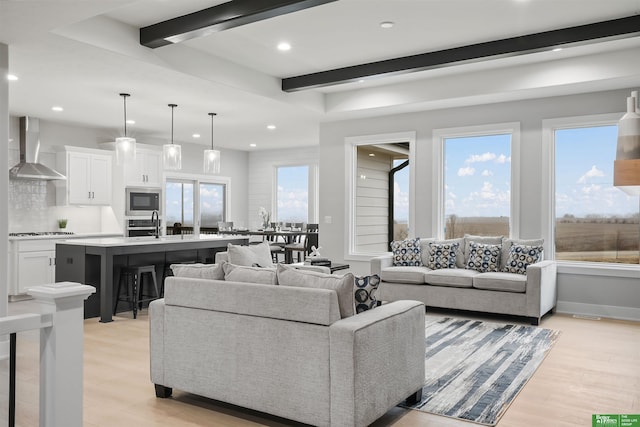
221, 257
156, 341
542, 288
376, 361
379, 262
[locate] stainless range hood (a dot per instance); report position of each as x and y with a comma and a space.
29, 168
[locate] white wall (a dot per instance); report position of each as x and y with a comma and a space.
4, 193
618, 291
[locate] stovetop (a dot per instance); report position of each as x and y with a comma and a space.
41, 233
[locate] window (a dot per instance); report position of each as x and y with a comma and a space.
292, 201
476, 194
179, 203
195, 211
594, 221
379, 198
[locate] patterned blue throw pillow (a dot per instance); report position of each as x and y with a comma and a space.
483, 257
521, 256
442, 255
364, 288
406, 252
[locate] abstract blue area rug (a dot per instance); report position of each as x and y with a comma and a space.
474, 369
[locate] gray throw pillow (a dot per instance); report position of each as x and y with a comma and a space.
198, 271
343, 285
241, 273
250, 256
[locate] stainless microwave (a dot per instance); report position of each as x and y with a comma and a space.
143, 201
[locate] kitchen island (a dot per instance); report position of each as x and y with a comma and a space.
93, 261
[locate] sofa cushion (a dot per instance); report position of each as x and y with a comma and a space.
491, 240
507, 282
412, 275
242, 273
198, 271
426, 251
483, 257
406, 252
507, 243
442, 255
520, 257
251, 256
342, 285
454, 277
364, 289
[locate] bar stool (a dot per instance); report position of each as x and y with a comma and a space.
135, 292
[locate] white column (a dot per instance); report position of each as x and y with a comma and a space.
61, 352
4, 190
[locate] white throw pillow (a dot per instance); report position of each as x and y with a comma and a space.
343, 285
250, 256
198, 271
241, 273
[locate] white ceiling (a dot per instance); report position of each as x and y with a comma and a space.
81, 54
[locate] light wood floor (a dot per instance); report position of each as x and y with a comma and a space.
593, 368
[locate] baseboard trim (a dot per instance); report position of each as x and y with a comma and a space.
596, 310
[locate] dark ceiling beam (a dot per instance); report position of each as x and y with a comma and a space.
582, 34
217, 18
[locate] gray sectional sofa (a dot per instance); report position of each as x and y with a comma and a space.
528, 295
286, 350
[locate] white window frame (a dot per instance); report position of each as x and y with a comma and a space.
197, 179
313, 196
548, 205
351, 145
439, 137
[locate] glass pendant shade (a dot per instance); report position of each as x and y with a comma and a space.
211, 161
125, 146
626, 168
211, 156
125, 149
172, 153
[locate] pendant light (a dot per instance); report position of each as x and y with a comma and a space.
125, 146
212, 157
626, 168
172, 153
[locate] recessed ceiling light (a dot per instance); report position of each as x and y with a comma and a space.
271, 127
253, 145
284, 46
12, 77
372, 155
57, 108
131, 122
386, 24
558, 49
196, 135
361, 81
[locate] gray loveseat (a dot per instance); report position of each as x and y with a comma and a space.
528, 295
285, 350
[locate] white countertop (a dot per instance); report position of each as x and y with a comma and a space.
66, 236
147, 240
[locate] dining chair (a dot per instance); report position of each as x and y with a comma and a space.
225, 226
301, 243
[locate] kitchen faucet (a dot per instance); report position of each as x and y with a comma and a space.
155, 219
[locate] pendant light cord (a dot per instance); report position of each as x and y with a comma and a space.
212, 114
172, 107
124, 100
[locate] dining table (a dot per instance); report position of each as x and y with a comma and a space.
288, 235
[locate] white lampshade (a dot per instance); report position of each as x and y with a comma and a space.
125, 149
172, 156
211, 161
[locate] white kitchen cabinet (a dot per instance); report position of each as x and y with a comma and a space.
88, 175
34, 264
146, 170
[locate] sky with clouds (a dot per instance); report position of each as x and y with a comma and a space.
293, 194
